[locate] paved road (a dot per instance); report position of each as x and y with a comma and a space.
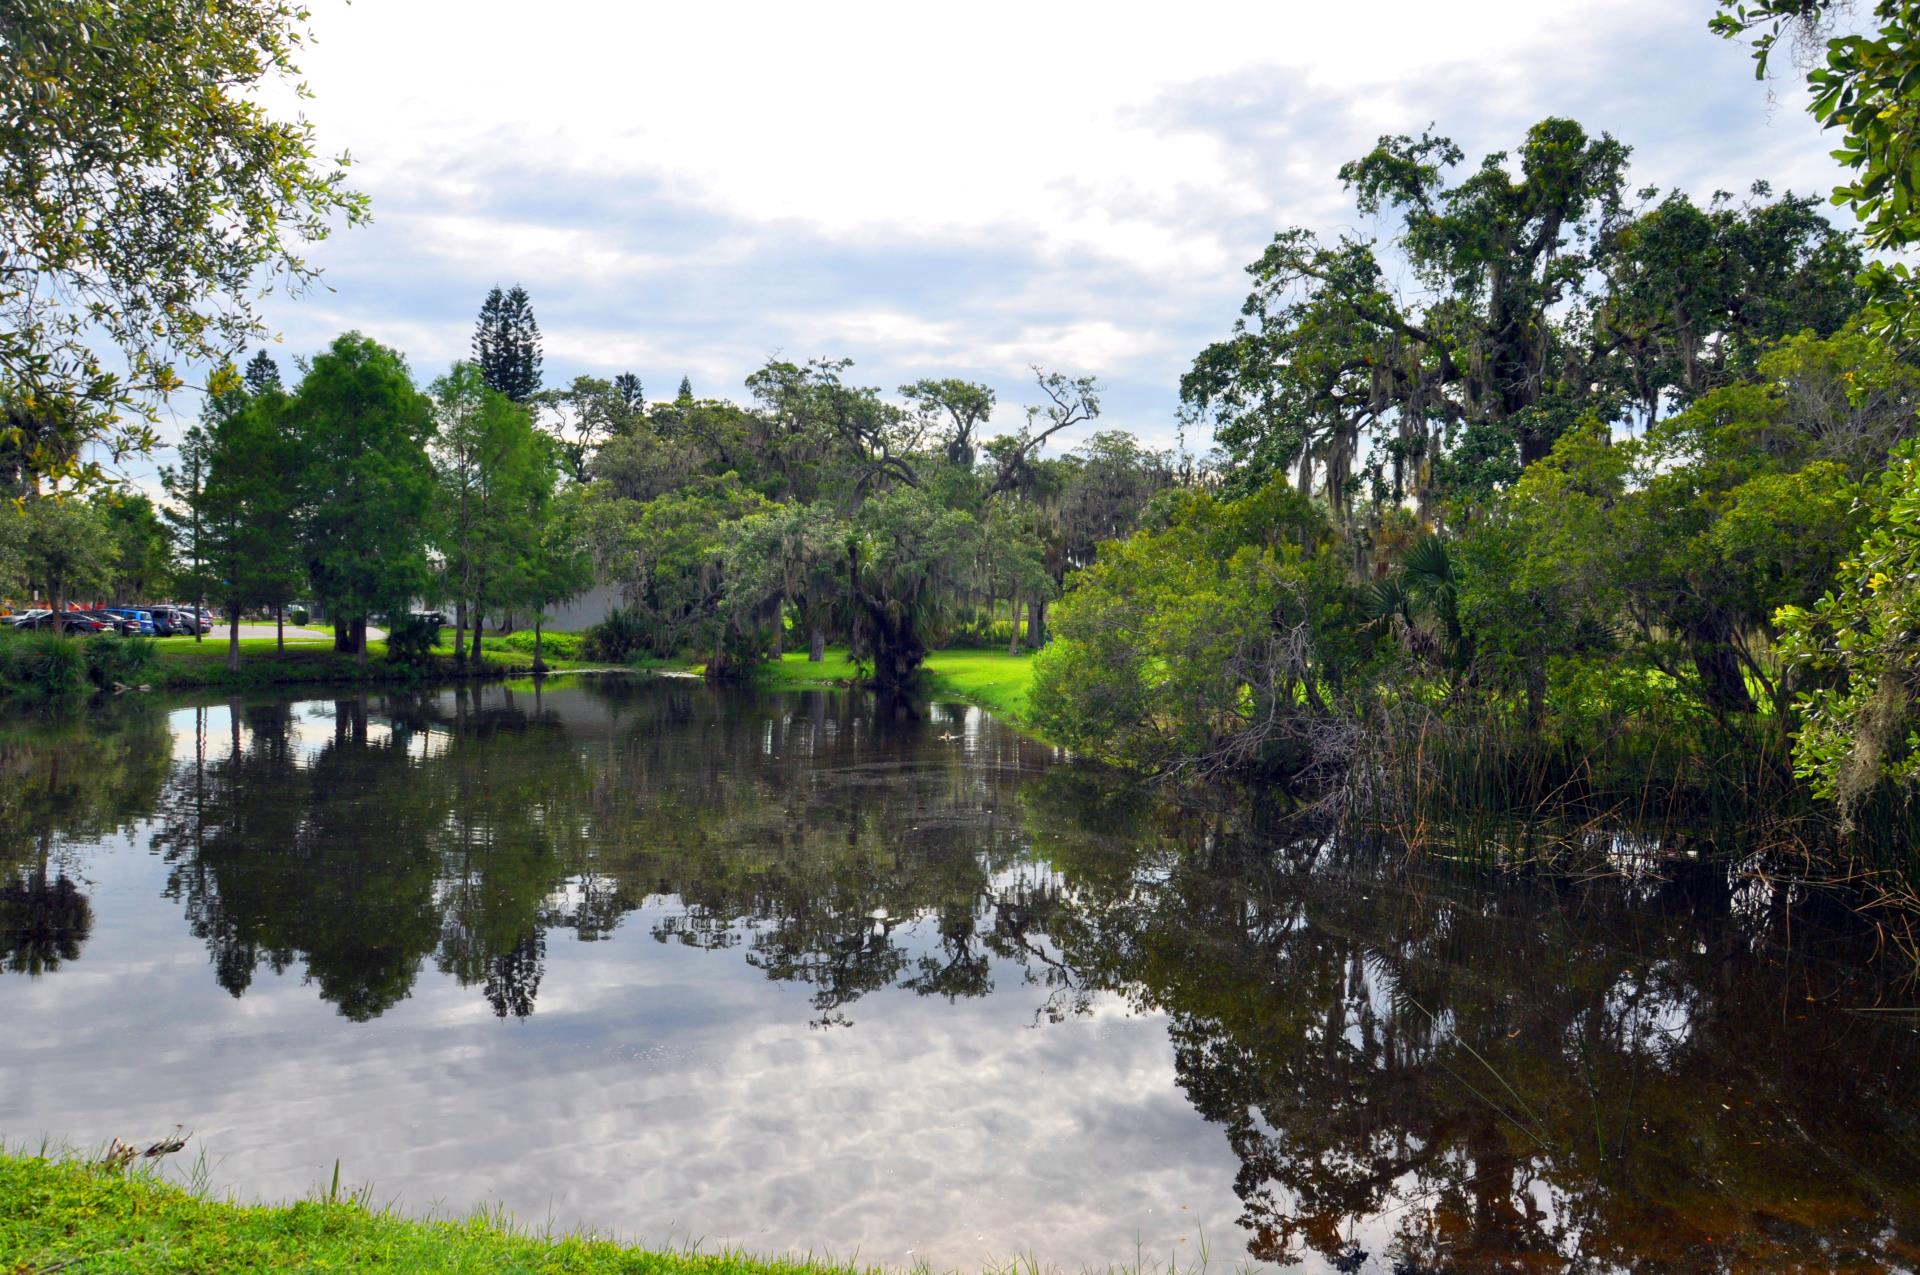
294, 633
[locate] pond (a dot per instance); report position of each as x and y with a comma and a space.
808, 973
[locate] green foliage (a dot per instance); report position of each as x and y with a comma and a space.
1543, 301
1671, 553
562, 646
1862, 85
411, 639
366, 482
146, 194
506, 345
116, 661
43, 665
52, 666
1858, 648
246, 510
503, 544
143, 552
669, 557
69, 549
1218, 641
619, 638
904, 556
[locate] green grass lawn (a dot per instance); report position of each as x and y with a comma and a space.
991, 679
63, 1214
183, 662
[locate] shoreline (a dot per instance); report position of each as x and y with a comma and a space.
61, 1211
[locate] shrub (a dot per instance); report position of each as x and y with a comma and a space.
44, 665
297, 615
619, 637
116, 659
411, 639
559, 646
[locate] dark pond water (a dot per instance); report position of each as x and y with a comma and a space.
797, 974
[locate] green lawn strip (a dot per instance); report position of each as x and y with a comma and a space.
182, 662
63, 1214
994, 680
988, 679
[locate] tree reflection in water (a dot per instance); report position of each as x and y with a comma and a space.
65, 784
1444, 1071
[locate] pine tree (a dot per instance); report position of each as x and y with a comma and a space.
262, 374
506, 344
632, 395
686, 390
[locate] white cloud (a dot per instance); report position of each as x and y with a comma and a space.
930, 191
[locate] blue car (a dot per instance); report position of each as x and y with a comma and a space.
144, 618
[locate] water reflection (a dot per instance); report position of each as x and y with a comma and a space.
1413, 1070
63, 785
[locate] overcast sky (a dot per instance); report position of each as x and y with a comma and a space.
964, 191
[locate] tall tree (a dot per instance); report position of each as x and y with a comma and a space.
633, 396
250, 510
185, 484
366, 484
262, 373
506, 344
958, 408
146, 196
489, 463
70, 548
558, 562
586, 414
1538, 298
143, 557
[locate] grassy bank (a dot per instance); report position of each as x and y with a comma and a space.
64, 1214
182, 663
992, 680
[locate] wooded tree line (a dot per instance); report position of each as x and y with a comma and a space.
1618, 461
821, 511
1609, 453
359, 491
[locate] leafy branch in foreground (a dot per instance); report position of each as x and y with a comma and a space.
147, 203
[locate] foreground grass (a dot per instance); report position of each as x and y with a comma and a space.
65, 1214
992, 680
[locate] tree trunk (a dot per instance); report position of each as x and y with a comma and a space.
1013, 639
460, 630
1036, 623
539, 665
898, 651
1722, 685
817, 645
343, 634
233, 636
479, 622
280, 627
360, 639
780, 629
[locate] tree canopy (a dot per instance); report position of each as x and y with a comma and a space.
147, 199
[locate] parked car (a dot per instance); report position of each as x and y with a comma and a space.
67, 622
173, 621
114, 621
142, 621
